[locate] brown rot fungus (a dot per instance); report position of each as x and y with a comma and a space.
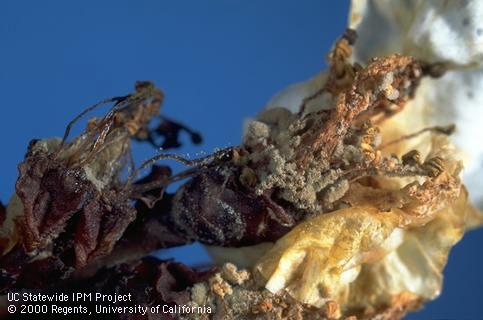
342, 201
364, 210
292, 166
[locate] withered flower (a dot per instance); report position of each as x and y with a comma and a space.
72, 203
76, 186
343, 200
385, 245
293, 166
354, 155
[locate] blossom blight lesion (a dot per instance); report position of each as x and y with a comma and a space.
382, 250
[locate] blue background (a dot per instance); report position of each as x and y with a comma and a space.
217, 61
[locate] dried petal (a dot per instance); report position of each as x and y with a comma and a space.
213, 208
51, 194
71, 205
320, 256
100, 227
362, 257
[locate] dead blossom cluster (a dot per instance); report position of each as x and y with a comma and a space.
344, 201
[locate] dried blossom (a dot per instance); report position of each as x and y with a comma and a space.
72, 205
215, 208
352, 207
338, 249
371, 256
295, 165
76, 186
385, 207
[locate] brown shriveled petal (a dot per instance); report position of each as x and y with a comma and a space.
418, 202
100, 227
51, 194
173, 279
149, 232
65, 220
86, 245
169, 280
150, 282
215, 209
82, 231
366, 91
158, 173
55, 197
